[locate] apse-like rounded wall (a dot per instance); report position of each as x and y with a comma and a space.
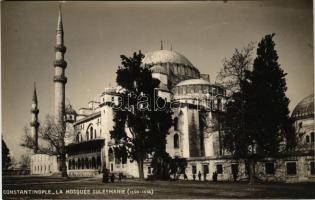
200, 92
198, 87
213, 90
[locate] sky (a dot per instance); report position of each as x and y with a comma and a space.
97, 33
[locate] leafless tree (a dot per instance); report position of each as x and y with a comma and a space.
234, 68
25, 161
52, 137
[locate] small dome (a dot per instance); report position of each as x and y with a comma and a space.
305, 108
70, 110
194, 82
165, 56
111, 90
158, 69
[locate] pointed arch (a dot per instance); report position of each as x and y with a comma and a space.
176, 141
93, 163
307, 139
91, 132
176, 123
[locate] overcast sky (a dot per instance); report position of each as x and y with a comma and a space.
97, 33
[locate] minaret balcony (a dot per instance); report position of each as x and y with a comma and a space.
35, 110
60, 63
34, 124
60, 48
61, 79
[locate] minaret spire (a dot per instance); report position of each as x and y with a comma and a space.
34, 94
60, 79
59, 24
171, 47
161, 44
34, 123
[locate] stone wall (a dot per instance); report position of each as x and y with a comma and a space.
281, 174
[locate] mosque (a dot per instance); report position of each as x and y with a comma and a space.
195, 134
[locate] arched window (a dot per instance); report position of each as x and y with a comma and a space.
91, 132
307, 139
98, 162
312, 137
87, 135
94, 134
78, 137
110, 155
93, 163
79, 163
90, 164
72, 164
176, 141
176, 124
86, 162
219, 104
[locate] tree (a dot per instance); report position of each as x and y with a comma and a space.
178, 166
6, 160
268, 102
147, 127
25, 161
257, 118
53, 137
234, 68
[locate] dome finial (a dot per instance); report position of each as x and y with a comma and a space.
161, 44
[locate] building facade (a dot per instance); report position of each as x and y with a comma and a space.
195, 134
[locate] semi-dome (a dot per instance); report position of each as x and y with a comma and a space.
165, 56
305, 108
194, 82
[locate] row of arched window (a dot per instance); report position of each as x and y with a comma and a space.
89, 135
40, 168
199, 89
85, 163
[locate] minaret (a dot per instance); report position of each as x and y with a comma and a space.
34, 123
60, 79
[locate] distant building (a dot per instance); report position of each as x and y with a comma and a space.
43, 164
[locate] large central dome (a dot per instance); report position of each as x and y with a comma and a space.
170, 67
165, 56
